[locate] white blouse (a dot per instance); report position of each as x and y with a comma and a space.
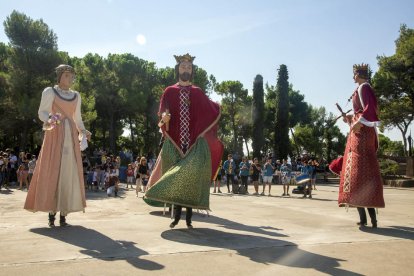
48, 95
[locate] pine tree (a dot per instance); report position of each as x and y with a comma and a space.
258, 116
281, 138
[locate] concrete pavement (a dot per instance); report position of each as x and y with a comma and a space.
243, 235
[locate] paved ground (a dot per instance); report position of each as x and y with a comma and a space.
244, 235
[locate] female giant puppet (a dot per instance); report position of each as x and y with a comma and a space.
191, 151
57, 184
361, 183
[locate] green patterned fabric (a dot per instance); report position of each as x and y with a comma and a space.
185, 180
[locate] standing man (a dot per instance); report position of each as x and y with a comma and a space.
244, 172
57, 184
361, 184
191, 151
286, 175
229, 167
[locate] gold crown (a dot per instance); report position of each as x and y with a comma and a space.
361, 67
185, 57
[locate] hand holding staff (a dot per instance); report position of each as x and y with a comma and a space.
343, 114
165, 119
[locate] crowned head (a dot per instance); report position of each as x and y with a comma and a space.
361, 71
184, 69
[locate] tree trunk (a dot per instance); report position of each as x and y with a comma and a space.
131, 130
296, 144
247, 147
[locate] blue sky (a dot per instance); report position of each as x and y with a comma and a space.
318, 40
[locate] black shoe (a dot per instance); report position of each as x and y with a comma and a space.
374, 224
172, 225
62, 221
361, 224
189, 226
52, 220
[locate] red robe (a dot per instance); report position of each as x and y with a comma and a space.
204, 115
361, 183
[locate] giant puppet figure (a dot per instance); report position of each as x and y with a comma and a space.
57, 184
361, 184
191, 151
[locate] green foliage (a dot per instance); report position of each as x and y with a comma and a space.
321, 137
389, 148
394, 84
281, 135
235, 108
258, 116
388, 167
31, 57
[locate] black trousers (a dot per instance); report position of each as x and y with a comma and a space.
230, 177
363, 215
188, 214
244, 180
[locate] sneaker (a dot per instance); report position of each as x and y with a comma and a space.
189, 226
310, 196
172, 225
304, 196
287, 194
283, 194
262, 194
219, 192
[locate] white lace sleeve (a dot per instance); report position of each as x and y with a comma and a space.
77, 117
46, 104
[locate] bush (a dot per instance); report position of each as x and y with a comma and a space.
388, 167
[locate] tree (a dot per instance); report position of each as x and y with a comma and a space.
258, 116
32, 57
394, 84
233, 104
281, 138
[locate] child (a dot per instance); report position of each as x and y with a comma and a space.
143, 174
307, 169
130, 176
217, 180
286, 171
113, 181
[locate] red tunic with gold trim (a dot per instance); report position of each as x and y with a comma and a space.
361, 183
191, 152
202, 114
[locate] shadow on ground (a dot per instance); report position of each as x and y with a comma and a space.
401, 232
99, 246
258, 249
227, 224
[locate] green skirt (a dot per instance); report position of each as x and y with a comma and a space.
185, 180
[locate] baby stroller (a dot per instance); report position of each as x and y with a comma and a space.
301, 181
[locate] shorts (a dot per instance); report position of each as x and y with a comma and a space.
254, 177
144, 182
218, 177
267, 179
286, 180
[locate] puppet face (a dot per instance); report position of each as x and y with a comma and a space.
184, 70
67, 78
